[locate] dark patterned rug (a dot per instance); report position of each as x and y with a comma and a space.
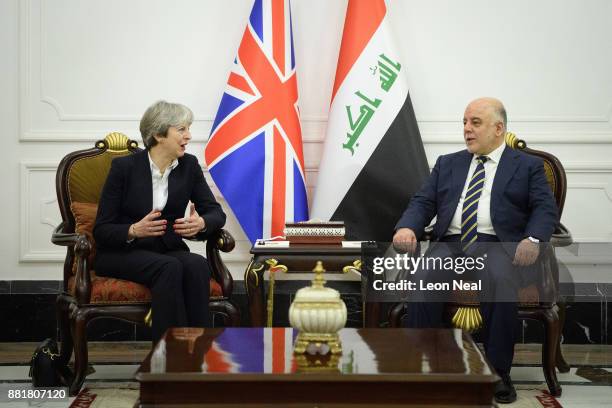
125, 395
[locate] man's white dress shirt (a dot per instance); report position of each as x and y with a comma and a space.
484, 223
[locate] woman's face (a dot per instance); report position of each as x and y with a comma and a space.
175, 141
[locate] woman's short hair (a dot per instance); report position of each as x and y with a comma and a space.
159, 117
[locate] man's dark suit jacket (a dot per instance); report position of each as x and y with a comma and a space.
127, 197
522, 204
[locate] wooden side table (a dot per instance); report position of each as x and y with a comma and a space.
293, 259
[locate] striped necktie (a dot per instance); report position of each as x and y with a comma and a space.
469, 216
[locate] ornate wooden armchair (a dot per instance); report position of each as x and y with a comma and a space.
538, 301
79, 181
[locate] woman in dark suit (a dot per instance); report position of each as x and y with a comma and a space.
143, 218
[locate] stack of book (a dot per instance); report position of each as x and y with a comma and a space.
323, 233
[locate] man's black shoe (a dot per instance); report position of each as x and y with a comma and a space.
504, 390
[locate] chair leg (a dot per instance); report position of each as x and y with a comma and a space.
79, 333
549, 350
559, 359
62, 311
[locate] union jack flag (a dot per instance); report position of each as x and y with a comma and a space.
252, 350
254, 153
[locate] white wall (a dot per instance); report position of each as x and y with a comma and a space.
73, 71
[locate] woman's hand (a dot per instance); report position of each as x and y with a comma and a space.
189, 226
148, 226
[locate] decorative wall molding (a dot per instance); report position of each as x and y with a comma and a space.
588, 167
605, 187
604, 117
46, 219
33, 31
586, 239
55, 136
89, 135
572, 167
536, 137
542, 138
24, 68
26, 224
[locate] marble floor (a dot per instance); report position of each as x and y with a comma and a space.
588, 384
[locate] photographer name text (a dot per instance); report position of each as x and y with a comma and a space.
405, 285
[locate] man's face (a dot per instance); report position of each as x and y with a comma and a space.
483, 131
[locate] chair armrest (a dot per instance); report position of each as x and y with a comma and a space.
561, 237
62, 238
79, 247
396, 312
549, 275
223, 241
427, 233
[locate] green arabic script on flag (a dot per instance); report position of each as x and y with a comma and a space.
388, 71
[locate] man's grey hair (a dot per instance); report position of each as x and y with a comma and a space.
159, 117
503, 116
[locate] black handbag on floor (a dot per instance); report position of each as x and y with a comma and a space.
45, 368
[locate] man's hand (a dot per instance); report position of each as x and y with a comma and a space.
148, 226
189, 226
405, 240
526, 253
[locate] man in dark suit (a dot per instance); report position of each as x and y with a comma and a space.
483, 195
141, 220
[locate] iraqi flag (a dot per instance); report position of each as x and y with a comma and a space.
373, 160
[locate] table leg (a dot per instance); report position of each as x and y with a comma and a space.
372, 314
254, 281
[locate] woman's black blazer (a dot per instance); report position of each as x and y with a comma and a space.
127, 197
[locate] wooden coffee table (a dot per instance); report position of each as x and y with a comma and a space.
237, 367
